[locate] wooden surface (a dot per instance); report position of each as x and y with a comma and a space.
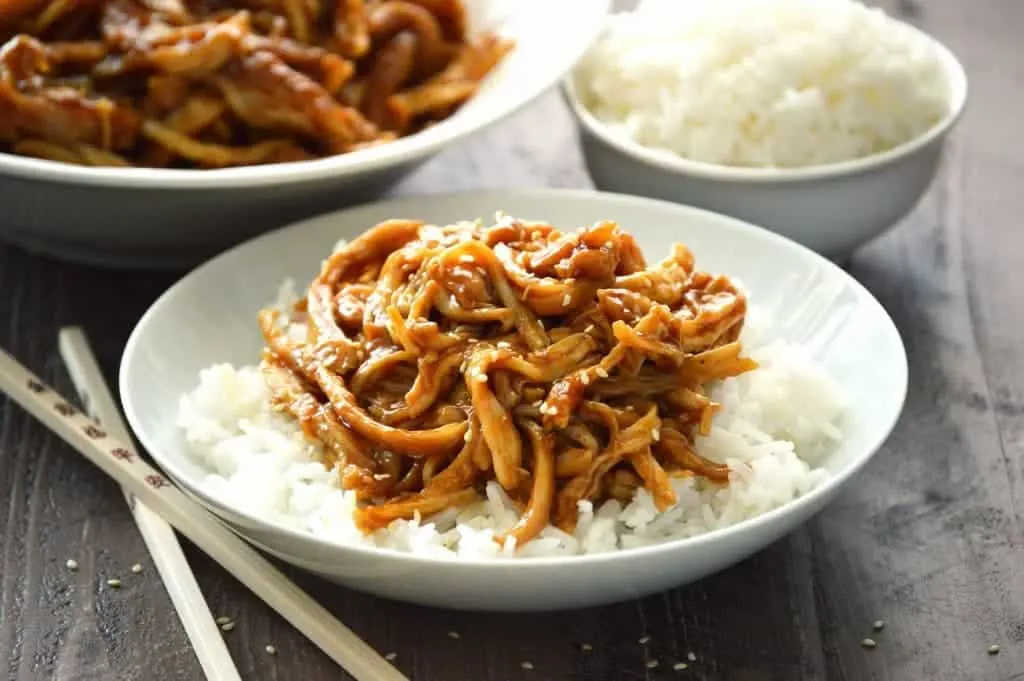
929, 538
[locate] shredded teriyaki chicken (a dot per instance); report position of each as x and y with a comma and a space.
430, 360
218, 83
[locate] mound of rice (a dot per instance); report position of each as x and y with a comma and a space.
776, 424
764, 83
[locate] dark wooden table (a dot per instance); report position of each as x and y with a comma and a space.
929, 538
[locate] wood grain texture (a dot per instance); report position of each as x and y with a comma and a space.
929, 538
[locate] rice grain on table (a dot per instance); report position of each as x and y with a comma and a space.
763, 83
775, 425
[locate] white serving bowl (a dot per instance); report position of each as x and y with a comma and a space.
142, 217
831, 208
210, 317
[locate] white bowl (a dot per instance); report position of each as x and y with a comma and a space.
144, 217
831, 208
210, 317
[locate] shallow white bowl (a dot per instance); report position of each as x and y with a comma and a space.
142, 217
831, 208
210, 317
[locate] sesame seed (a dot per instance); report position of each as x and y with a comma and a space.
566, 299
602, 372
114, 583
71, 564
526, 665
655, 434
453, 634
868, 643
585, 379
590, 327
540, 323
466, 259
691, 657
587, 647
468, 437
644, 639
137, 568
504, 345
993, 649
271, 650
471, 341
878, 625
651, 664
391, 657
227, 626
679, 666
480, 377
223, 619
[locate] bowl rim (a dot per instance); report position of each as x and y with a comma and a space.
817, 496
588, 18
666, 160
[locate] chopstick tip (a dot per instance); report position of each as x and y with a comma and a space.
68, 333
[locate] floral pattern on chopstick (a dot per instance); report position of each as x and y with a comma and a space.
157, 481
94, 432
122, 454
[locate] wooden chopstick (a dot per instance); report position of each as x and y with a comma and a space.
170, 561
203, 528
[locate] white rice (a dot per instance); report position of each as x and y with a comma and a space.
764, 83
776, 424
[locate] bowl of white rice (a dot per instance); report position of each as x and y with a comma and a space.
822, 120
829, 387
